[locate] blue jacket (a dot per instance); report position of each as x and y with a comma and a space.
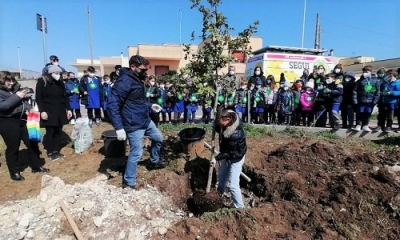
336, 92
72, 91
127, 105
393, 88
361, 94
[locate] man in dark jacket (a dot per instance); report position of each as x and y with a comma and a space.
129, 114
114, 75
53, 61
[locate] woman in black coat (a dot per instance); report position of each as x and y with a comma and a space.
13, 108
54, 109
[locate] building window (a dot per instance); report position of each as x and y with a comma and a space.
160, 70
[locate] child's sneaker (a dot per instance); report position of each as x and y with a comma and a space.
98, 121
90, 123
72, 122
357, 128
366, 129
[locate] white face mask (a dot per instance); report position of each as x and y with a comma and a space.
347, 79
329, 81
91, 75
107, 81
337, 70
367, 74
56, 76
162, 86
244, 87
152, 83
285, 88
258, 86
258, 72
320, 70
55, 63
231, 72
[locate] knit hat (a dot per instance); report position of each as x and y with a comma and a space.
350, 74
53, 68
309, 84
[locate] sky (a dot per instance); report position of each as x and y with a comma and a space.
350, 27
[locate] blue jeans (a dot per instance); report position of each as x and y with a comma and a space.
135, 139
230, 172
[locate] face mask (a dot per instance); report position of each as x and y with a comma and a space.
152, 83
107, 81
298, 86
162, 86
55, 63
244, 87
337, 70
252, 87
258, 72
268, 81
91, 75
258, 86
367, 75
347, 79
320, 71
285, 88
231, 73
329, 81
56, 76
320, 87
141, 73
381, 75
117, 72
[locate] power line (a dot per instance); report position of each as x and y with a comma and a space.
362, 29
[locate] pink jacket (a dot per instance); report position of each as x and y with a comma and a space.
307, 100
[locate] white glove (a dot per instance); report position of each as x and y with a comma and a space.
213, 161
156, 108
121, 135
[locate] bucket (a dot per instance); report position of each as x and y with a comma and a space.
192, 140
113, 148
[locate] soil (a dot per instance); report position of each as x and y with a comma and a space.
301, 188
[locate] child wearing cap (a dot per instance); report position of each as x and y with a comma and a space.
285, 104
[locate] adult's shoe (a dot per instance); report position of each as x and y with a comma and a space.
40, 170
17, 177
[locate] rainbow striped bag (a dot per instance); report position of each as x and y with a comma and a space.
33, 126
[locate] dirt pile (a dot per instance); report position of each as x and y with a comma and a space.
312, 190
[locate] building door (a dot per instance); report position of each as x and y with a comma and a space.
160, 70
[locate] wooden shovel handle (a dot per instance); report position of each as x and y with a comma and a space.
71, 221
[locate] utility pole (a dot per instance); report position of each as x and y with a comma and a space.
180, 26
304, 22
19, 64
90, 36
317, 34
41, 24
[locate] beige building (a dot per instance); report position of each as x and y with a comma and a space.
356, 67
162, 58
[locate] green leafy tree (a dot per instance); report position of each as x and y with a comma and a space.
215, 53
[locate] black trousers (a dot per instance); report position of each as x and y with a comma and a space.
53, 139
308, 117
76, 113
269, 114
13, 130
96, 111
363, 118
155, 117
385, 117
347, 115
164, 116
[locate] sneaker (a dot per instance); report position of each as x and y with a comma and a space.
98, 121
388, 130
357, 128
336, 126
366, 129
378, 129
90, 123
53, 156
72, 122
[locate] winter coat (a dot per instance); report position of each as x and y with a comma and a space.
232, 141
127, 105
307, 100
271, 96
72, 91
366, 91
11, 105
192, 102
253, 79
153, 93
96, 97
241, 97
336, 92
296, 98
390, 91
348, 88
106, 94
285, 103
258, 97
52, 99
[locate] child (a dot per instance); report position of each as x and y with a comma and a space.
347, 107
320, 104
192, 107
152, 95
285, 104
163, 101
390, 94
169, 100
72, 91
241, 101
271, 95
366, 95
296, 90
307, 99
258, 96
92, 93
178, 106
232, 149
335, 95
207, 104
106, 93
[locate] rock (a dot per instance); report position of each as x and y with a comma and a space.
136, 234
375, 168
190, 215
43, 196
21, 234
25, 220
162, 230
98, 221
5, 211
88, 205
122, 235
30, 234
